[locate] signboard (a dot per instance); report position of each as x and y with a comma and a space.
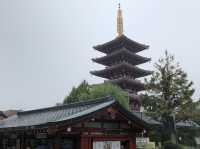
142, 140
106, 145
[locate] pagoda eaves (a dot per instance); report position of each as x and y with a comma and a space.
118, 43
121, 60
122, 69
121, 55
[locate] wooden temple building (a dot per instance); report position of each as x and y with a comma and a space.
121, 62
96, 124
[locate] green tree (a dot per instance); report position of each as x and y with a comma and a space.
86, 92
78, 94
169, 93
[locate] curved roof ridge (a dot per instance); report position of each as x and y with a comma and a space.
123, 64
121, 40
3, 114
120, 51
71, 105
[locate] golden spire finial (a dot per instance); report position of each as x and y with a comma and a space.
119, 21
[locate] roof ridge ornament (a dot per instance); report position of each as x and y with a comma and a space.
119, 21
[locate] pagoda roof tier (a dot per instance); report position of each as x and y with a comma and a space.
130, 84
119, 42
121, 70
121, 55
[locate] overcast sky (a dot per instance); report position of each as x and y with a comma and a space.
46, 45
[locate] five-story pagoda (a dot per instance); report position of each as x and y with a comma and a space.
121, 63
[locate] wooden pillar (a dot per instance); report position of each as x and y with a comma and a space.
18, 144
22, 143
132, 142
56, 143
85, 142
132, 146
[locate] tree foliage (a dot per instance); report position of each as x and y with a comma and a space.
80, 93
169, 93
168, 90
85, 92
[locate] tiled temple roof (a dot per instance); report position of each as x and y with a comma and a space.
74, 112
119, 42
121, 68
187, 124
2, 114
121, 54
64, 113
55, 114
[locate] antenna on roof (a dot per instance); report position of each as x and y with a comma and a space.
119, 21
119, 5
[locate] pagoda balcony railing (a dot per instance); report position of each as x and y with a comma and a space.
127, 78
123, 77
118, 62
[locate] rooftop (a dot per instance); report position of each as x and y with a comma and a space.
64, 113
2, 114
74, 112
119, 42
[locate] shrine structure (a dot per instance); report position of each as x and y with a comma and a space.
120, 61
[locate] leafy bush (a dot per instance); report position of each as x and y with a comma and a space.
85, 92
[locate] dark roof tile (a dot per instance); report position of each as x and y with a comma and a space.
55, 114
